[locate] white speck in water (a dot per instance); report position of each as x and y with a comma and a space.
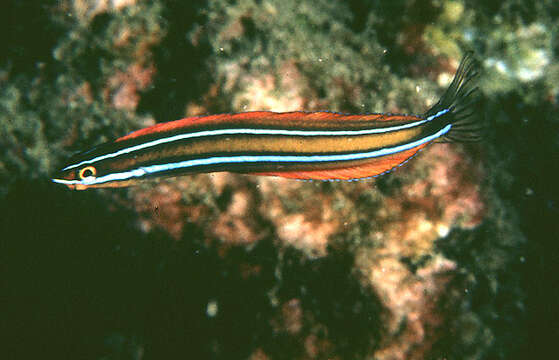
529, 191
444, 79
533, 65
212, 308
522, 259
443, 230
501, 66
417, 88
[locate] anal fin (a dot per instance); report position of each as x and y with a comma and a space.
364, 169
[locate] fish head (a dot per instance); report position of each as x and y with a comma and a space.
94, 169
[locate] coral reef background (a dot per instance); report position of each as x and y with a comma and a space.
451, 257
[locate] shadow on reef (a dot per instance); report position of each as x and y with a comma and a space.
79, 280
182, 73
28, 34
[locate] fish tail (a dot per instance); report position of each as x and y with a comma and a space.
457, 105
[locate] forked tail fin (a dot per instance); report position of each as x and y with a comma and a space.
456, 105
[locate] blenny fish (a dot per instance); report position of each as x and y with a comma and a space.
300, 145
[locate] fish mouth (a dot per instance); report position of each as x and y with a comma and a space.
72, 184
79, 185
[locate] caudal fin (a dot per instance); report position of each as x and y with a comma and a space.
457, 105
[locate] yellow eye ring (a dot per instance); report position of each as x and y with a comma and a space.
88, 171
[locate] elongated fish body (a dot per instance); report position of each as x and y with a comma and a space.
301, 145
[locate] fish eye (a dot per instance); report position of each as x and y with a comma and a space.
88, 171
